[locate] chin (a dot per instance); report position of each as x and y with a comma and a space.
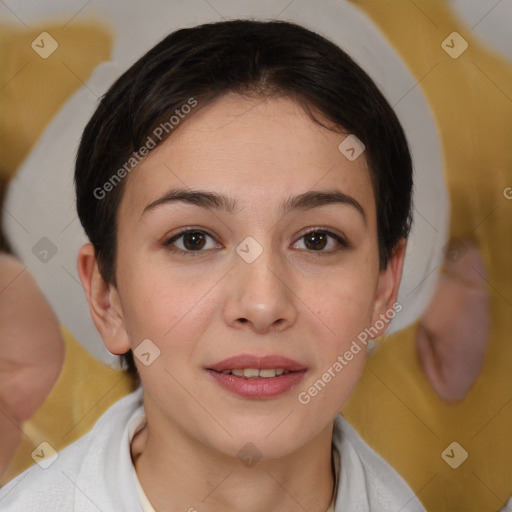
266, 438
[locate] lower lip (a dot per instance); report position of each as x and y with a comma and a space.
258, 388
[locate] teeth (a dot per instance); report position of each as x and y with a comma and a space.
267, 373
250, 373
254, 373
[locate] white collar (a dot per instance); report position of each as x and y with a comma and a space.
135, 425
138, 422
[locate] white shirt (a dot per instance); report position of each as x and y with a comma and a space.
95, 473
140, 421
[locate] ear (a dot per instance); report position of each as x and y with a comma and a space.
104, 302
387, 286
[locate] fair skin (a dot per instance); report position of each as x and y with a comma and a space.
31, 353
455, 329
294, 300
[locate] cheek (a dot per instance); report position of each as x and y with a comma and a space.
344, 303
166, 307
342, 313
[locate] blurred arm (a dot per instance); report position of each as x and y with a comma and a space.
31, 352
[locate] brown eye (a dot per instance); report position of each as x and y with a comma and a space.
317, 240
191, 241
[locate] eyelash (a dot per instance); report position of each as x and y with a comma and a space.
168, 243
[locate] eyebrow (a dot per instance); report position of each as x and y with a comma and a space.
216, 201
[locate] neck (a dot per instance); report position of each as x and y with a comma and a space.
179, 473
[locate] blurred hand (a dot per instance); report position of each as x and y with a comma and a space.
31, 352
454, 331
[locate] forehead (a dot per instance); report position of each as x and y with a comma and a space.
253, 148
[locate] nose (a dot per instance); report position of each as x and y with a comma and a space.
260, 296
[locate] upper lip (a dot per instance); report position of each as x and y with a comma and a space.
260, 362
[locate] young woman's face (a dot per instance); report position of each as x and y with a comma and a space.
270, 276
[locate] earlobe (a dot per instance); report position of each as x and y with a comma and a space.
103, 302
388, 284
